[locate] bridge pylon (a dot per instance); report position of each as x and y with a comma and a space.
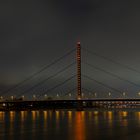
78, 58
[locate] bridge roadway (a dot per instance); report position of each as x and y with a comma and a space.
68, 104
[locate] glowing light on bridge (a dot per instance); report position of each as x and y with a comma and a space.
34, 97
124, 94
1, 97
12, 97
109, 94
95, 94
23, 97
45, 96
69, 94
3, 104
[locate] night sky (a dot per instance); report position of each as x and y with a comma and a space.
34, 33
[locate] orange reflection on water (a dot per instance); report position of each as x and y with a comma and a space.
57, 114
45, 113
69, 115
2, 115
33, 115
110, 115
70, 118
12, 116
137, 115
23, 115
96, 112
80, 126
96, 117
110, 118
70, 124
124, 114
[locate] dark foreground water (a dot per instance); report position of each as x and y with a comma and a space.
70, 125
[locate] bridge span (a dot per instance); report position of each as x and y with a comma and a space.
29, 95
69, 104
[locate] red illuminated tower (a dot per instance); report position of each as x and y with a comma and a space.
78, 71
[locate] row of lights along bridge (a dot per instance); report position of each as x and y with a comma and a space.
68, 96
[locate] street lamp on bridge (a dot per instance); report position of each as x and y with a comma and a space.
95, 94
45, 96
138, 93
69, 94
109, 94
12, 97
57, 95
1, 97
34, 97
124, 94
23, 97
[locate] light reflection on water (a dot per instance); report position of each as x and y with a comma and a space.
12, 116
79, 126
45, 115
70, 125
57, 119
137, 115
2, 116
110, 118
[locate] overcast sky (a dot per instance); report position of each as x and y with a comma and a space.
36, 32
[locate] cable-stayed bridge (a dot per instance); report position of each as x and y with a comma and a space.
61, 82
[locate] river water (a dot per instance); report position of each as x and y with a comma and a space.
70, 125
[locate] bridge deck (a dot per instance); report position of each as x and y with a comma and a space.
53, 104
